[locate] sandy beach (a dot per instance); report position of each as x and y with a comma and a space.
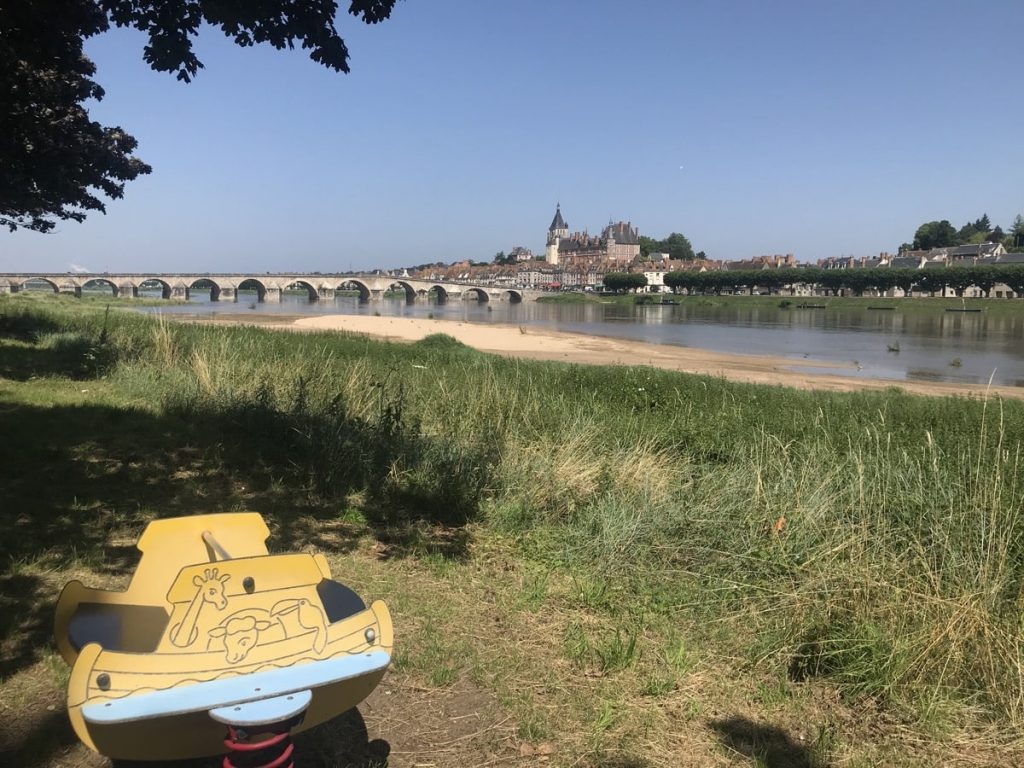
543, 344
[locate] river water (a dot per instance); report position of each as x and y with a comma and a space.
963, 347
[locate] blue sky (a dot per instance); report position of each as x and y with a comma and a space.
813, 128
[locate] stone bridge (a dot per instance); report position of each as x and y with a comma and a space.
268, 287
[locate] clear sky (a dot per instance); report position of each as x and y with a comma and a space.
805, 127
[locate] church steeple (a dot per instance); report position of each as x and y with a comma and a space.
558, 223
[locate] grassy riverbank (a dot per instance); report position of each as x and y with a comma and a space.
623, 566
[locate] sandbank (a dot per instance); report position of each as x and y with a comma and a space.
537, 343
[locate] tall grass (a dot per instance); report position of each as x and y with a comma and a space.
875, 539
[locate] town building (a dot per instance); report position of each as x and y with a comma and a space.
619, 242
519, 253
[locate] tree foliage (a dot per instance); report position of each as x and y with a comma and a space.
935, 234
648, 245
55, 160
856, 281
1017, 233
972, 229
676, 245
942, 234
623, 281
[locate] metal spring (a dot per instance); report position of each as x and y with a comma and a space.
277, 748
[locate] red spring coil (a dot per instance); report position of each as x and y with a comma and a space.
277, 748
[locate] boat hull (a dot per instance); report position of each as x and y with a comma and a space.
147, 690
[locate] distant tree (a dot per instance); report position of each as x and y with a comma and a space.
804, 276
902, 277
959, 278
975, 231
677, 246
858, 279
615, 281
622, 281
985, 278
1013, 276
996, 235
883, 279
636, 280
677, 280
649, 245
935, 234
975, 238
932, 280
55, 161
701, 255
1017, 233
833, 279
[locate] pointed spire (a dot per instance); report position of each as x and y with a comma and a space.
558, 222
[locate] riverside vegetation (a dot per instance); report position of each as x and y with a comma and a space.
639, 568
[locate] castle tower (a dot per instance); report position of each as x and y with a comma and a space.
556, 232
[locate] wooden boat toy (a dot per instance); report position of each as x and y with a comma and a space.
215, 635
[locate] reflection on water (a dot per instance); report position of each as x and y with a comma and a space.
847, 340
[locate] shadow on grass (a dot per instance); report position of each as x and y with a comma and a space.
339, 743
769, 745
26, 620
24, 325
80, 482
21, 362
47, 736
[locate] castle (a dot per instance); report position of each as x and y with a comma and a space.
618, 242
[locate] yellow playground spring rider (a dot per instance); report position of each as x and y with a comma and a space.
216, 646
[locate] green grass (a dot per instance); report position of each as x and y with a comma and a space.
871, 541
574, 297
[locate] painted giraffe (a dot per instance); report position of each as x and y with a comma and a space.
210, 590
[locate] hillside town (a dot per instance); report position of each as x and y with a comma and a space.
579, 261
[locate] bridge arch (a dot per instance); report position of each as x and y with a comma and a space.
154, 284
440, 292
95, 282
311, 292
514, 297
251, 283
198, 285
24, 286
410, 292
349, 283
481, 294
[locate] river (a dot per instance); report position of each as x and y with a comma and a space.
967, 347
